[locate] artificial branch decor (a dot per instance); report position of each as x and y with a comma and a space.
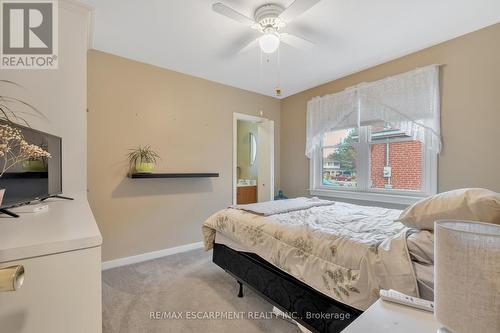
14, 149
143, 159
7, 103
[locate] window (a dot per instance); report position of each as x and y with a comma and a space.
377, 163
377, 141
339, 156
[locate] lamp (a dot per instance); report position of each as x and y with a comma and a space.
269, 42
467, 276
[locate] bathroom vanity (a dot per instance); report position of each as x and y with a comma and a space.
246, 192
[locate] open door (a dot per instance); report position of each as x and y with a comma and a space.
265, 158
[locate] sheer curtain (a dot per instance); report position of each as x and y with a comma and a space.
408, 101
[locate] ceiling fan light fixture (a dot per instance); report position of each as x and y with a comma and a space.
269, 42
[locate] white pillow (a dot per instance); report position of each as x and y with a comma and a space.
473, 204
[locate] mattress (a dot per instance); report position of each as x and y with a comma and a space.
348, 252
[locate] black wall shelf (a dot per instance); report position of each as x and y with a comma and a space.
172, 175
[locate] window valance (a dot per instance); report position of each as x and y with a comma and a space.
408, 101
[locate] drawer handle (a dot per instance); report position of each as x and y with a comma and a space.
11, 278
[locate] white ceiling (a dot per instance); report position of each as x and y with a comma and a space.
350, 35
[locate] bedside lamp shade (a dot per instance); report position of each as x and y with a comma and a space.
467, 276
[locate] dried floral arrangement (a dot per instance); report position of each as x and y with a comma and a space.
14, 149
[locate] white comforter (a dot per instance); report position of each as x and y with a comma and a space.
346, 251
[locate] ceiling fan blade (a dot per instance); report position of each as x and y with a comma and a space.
253, 44
222, 9
296, 8
296, 41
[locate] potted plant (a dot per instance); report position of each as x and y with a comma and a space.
143, 159
35, 165
14, 149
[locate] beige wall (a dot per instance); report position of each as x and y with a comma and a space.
189, 121
470, 113
247, 171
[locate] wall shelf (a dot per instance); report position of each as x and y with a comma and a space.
173, 175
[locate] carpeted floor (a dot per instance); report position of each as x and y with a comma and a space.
182, 284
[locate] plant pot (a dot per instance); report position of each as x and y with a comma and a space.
34, 166
2, 192
144, 167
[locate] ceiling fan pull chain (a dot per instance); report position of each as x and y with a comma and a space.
278, 86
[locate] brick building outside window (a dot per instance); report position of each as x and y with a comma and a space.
394, 161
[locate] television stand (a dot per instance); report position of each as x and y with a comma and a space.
58, 197
6, 212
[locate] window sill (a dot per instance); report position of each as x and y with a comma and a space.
367, 196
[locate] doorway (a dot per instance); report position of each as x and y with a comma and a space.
253, 159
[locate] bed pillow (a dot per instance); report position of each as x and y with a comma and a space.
473, 204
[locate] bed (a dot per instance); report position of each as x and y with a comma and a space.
338, 253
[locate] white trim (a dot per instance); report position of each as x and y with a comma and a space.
272, 185
246, 117
75, 5
91, 29
367, 196
150, 255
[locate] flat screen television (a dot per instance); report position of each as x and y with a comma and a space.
34, 179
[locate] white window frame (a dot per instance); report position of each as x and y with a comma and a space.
363, 190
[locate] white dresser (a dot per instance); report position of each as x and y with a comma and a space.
60, 250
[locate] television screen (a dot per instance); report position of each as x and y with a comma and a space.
32, 178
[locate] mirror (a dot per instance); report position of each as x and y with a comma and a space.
253, 148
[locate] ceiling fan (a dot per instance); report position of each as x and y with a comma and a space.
270, 19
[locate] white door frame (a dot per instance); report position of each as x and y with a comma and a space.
246, 117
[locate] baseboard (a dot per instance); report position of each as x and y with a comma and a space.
150, 255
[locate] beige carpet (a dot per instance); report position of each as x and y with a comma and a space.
183, 283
